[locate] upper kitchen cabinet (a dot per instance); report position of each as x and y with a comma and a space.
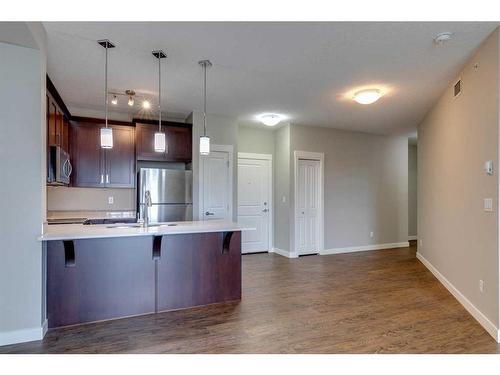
57, 120
178, 138
94, 166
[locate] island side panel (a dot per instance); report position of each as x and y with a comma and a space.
193, 271
111, 278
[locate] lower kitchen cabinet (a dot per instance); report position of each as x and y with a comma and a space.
94, 166
193, 270
106, 278
109, 278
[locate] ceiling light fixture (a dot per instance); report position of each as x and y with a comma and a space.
106, 133
114, 101
367, 96
270, 119
146, 104
442, 38
160, 141
204, 140
130, 94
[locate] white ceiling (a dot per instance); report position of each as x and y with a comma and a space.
302, 70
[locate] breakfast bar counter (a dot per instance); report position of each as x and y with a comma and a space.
101, 272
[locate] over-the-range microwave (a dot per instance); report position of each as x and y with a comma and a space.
59, 166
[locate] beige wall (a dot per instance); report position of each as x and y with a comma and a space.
256, 140
366, 185
61, 198
412, 190
456, 137
282, 188
22, 104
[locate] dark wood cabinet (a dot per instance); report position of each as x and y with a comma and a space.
178, 139
57, 125
94, 166
120, 160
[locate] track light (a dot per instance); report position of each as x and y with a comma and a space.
114, 101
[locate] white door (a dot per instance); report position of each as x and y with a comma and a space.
216, 195
254, 203
307, 209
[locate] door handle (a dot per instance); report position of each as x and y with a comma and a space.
265, 210
209, 213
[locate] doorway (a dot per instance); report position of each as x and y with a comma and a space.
255, 201
309, 170
216, 176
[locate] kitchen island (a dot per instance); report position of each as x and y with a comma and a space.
100, 272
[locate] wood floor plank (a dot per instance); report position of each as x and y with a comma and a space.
368, 302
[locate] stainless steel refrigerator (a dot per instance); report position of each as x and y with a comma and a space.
171, 194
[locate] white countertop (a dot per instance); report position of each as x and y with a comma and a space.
80, 231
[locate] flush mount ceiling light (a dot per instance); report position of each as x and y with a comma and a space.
368, 96
106, 133
270, 119
160, 141
204, 139
146, 104
443, 38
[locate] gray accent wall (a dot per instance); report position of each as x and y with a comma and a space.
256, 140
366, 185
22, 191
412, 190
456, 137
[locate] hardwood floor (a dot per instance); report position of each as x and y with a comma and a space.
368, 302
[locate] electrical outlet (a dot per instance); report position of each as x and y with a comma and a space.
488, 204
371, 234
481, 286
111, 200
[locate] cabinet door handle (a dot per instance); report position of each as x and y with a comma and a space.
102, 178
107, 178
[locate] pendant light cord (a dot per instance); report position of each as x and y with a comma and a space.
106, 85
159, 93
205, 99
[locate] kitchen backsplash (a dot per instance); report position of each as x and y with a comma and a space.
61, 198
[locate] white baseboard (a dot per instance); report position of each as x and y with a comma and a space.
342, 250
283, 253
473, 310
412, 238
23, 335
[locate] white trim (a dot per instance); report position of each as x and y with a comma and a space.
219, 148
412, 238
353, 249
268, 157
473, 310
319, 156
251, 155
23, 335
283, 253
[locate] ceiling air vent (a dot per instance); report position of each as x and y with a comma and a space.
457, 89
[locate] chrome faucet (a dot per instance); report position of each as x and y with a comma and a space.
147, 204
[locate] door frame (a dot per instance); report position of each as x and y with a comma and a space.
317, 156
201, 170
268, 157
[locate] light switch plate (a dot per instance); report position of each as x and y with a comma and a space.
111, 200
488, 204
488, 167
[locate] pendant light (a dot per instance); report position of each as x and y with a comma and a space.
106, 133
204, 140
160, 141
